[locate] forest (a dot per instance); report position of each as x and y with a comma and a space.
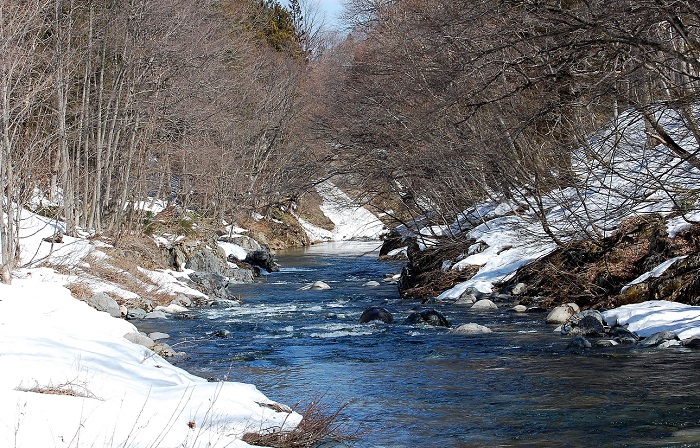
422, 107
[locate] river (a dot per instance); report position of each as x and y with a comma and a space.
415, 386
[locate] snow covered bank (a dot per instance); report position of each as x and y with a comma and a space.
654, 316
69, 378
352, 222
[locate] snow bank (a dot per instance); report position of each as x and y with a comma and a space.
653, 316
69, 378
351, 221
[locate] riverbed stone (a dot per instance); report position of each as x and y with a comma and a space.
519, 308
138, 338
157, 335
182, 300
376, 313
222, 333
316, 286
471, 328
579, 342
155, 315
372, 284
103, 302
519, 289
484, 305
562, 313
606, 343
693, 342
135, 313
587, 325
466, 299
164, 350
429, 317
659, 338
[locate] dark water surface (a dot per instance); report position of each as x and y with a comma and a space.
409, 386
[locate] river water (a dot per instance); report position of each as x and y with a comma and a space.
414, 386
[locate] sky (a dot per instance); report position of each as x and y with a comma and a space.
332, 10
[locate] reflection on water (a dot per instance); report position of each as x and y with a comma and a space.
420, 386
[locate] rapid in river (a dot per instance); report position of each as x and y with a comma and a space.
420, 386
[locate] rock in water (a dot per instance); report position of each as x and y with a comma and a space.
562, 313
483, 305
316, 286
659, 338
429, 317
471, 328
588, 325
579, 343
376, 313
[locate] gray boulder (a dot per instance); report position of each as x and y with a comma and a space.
157, 335
585, 323
376, 313
102, 302
562, 313
519, 308
371, 284
135, 313
693, 342
623, 335
246, 242
206, 261
263, 259
155, 315
579, 343
138, 338
471, 328
316, 286
657, 339
518, 289
428, 317
484, 305
182, 300
466, 299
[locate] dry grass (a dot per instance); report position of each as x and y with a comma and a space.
80, 290
317, 425
69, 388
125, 273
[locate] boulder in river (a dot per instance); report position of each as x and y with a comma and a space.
376, 313
429, 317
585, 323
579, 343
660, 339
562, 313
316, 286
471, 328
484, 305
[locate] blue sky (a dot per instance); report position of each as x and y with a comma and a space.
332, 8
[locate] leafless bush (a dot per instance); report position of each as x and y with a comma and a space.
318, 424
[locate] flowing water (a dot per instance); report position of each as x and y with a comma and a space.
416, 386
